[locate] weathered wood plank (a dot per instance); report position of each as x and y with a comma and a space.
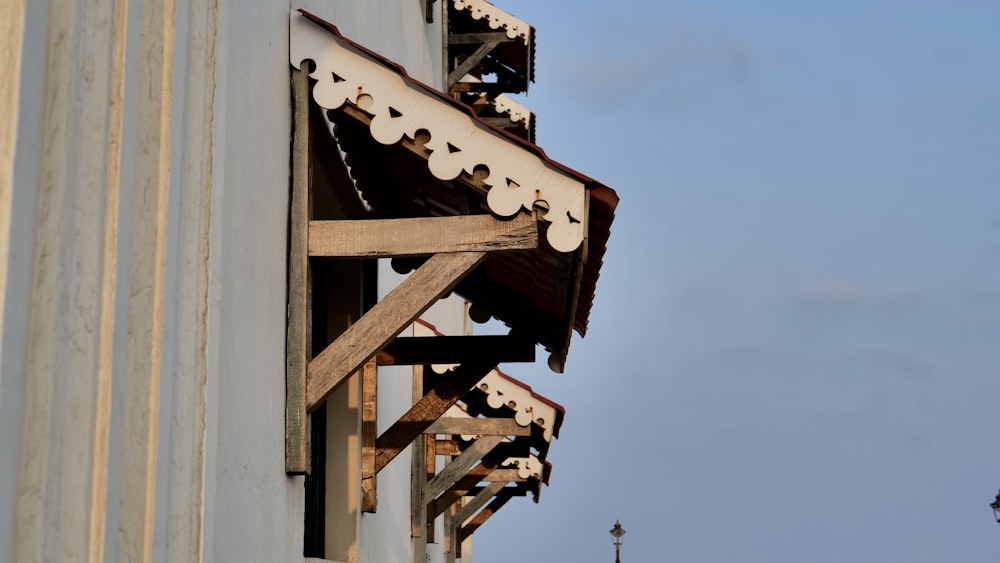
474, 476
459, 466
477, 502
505, 475
478, 427
385, 320
430, 470
369, 431
297, 338
481, 518
428, 409
418, 475
422, 236
417, 350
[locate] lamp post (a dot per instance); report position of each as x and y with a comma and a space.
617, 532
995, 505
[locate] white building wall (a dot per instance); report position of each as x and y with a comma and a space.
143, 354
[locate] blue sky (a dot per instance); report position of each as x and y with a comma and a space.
794, 350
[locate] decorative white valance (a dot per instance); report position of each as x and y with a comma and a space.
519, 178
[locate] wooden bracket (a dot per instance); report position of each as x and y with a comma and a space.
489, 465
470, 63
384, 321
428, 409
459, 466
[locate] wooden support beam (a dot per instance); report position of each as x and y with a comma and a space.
488, 470
421, 236
477, 502
470, 63
481, 518
415, 350
477, 38
385, 321
428, 409
431, 469
298, 336
459, 466
505, 475
369, 430
478, 427
418, 475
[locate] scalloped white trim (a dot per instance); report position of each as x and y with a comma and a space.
504, 104
496, 18
527, 467
515, 111
527, 408
518, 179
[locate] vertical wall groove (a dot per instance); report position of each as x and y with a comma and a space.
185, 526
99, 462
145, 316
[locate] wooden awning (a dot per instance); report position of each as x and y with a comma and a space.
485, 40
415, 152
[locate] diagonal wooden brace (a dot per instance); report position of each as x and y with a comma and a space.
460, 466
471, 62
385, 321
501, 499
428, 409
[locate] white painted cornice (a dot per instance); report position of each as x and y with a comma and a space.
519, 178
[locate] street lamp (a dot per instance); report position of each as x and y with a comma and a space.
617, 532
995, 505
